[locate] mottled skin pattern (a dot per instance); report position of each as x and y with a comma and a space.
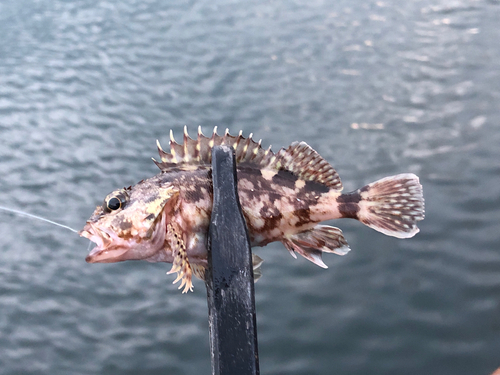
274, 206
277, 204
284, 197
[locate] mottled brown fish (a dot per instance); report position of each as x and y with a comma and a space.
283, 196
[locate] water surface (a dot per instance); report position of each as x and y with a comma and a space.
378, 88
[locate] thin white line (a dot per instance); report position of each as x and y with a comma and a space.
37, 217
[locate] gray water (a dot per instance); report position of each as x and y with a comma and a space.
378, 88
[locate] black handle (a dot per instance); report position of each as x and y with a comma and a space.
230, 284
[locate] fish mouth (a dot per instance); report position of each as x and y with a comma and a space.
98, 255
110, 248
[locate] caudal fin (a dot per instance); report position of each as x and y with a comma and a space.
392, 205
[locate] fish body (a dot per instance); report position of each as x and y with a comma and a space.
283, 196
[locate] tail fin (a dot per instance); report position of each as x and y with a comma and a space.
392, 205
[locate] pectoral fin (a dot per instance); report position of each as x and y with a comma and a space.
199, 270
181, 264
311, 244
256, 263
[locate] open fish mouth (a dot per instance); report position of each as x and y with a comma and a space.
110, 248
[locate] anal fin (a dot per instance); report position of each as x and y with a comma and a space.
311, 244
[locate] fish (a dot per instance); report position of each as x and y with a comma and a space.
284, 196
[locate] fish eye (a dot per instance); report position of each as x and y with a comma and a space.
115, 201
114, 204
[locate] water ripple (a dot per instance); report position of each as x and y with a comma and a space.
377, 88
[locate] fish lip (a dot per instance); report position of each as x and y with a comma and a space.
102, 253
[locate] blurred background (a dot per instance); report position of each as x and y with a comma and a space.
376, 87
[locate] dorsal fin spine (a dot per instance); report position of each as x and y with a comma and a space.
247, 143
172, 148
185, 144
163, 155
211, 143
258, 147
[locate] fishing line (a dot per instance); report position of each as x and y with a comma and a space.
37, 217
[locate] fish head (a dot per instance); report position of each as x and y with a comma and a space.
131, 223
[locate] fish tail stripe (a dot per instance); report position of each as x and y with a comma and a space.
392, 205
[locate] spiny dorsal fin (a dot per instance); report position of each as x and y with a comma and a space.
199, 151
298, 158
